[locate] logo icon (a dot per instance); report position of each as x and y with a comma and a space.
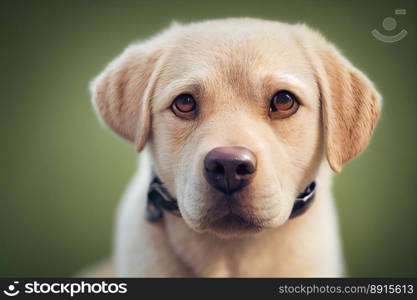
389, 24
12, 291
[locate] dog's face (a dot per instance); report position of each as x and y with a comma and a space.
238, 115
243, 90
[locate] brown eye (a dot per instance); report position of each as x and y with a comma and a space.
283, 105
184, 106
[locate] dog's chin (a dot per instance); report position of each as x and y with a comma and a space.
228, 218
233, 225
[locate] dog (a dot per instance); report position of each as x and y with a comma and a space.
240, 123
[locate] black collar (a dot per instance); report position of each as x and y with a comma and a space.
160, 199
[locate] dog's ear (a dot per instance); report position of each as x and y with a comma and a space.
122, 92
350, 108
350, 104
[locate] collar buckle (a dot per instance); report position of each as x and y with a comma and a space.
159, 198
304, 200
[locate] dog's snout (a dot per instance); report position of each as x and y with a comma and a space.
229, 169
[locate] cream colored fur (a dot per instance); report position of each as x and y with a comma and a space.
233, 67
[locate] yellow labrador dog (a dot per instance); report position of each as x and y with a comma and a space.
241, 122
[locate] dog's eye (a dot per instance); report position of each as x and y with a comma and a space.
184, 106
283, 105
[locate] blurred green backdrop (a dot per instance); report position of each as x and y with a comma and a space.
62, 175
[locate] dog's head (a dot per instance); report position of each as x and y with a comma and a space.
239, 114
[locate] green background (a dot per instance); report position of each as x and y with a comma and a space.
62, 174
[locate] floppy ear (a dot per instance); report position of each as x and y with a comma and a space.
350, 108
350, 105
122, 92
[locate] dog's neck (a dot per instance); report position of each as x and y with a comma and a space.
272, 252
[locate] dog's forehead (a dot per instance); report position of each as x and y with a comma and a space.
245, 61
234, 52
238, 56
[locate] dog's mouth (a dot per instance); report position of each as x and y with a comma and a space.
234, 224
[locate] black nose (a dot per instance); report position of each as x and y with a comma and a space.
229, 169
